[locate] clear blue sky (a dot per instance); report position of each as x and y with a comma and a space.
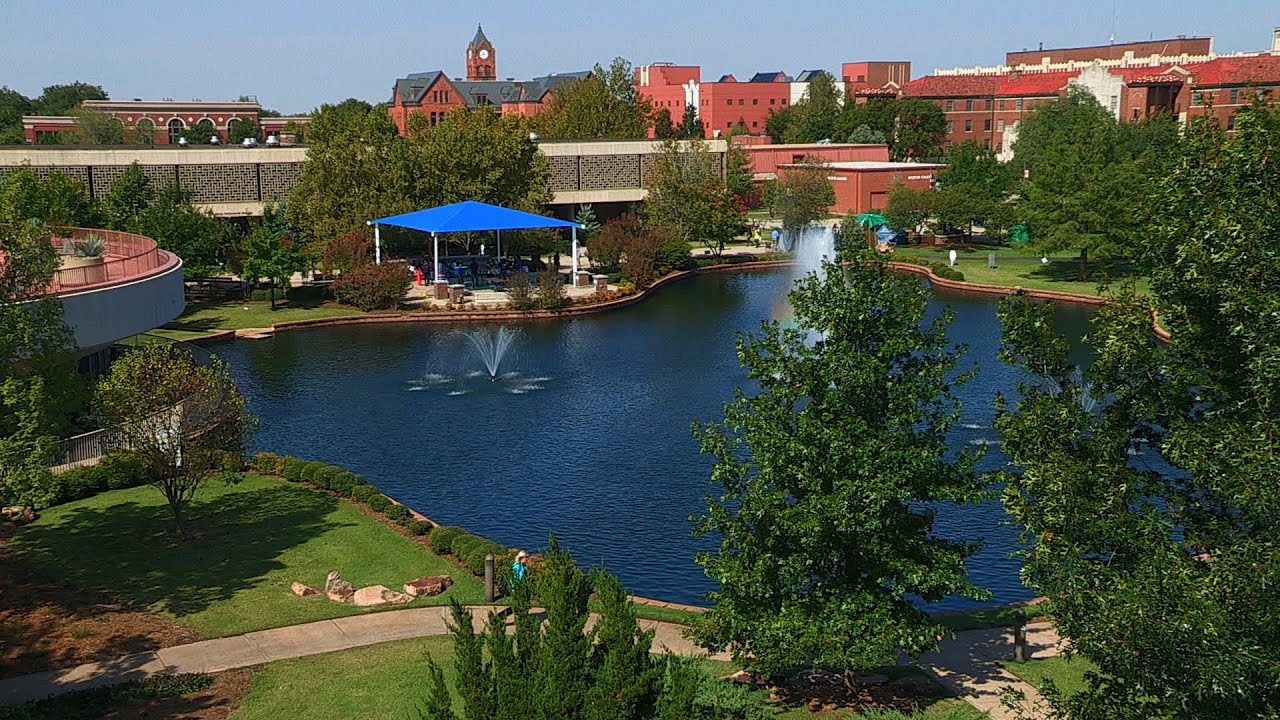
295, 55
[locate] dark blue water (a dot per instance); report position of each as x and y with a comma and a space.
586, 432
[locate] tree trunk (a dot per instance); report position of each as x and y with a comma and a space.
180, 518
1084, 264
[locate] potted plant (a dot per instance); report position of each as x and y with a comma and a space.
88, 256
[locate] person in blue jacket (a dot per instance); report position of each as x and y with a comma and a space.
520, 568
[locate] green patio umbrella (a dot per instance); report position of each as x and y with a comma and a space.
871, 219
1019, 234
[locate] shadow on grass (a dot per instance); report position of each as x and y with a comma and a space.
201, 325
126, 551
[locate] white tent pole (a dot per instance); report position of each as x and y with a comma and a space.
574, 280
377, 244
435, 268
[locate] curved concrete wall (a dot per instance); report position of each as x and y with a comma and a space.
104, 315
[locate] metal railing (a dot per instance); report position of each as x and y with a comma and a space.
127, 256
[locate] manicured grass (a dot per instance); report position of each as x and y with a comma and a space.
256, 537
671, 615
379, 681
996, 617
1066, 673
387, 681
210, 317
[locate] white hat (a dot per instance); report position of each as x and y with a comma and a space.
521, 554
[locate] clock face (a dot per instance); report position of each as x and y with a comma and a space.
484, 54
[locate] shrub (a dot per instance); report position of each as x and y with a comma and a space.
551, 294
264, 294
365, 494
673, 252
342, 482
397, 513
520, 293
293, 469
96, 702
77, 483
265, 463
308, 293
373, 287
231, 461
346, 252
474, 560
379, 503
309, 470
122, 470
419, 527
442, 538
464, 544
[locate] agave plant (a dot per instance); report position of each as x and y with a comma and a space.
90, 247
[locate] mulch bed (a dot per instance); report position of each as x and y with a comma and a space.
905, 694
45, 625
218, 702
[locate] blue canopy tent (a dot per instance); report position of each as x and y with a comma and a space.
468, 216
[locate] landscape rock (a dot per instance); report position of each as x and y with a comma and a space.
429, 585
302, 590
18, 514
376, 595
337, 589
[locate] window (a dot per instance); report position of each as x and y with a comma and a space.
968, 126
1235, 96
968, 106
1018, 104
951, 106
728, 102
987, 143
755, 124
862, 78
1197, 98
784, 101
772, 100
1115, 104
1231, 123
1001, 105
1261, 95
1000, 125
742, 101
755, 101
986, 125
987, 105
797, 159
175, 130
951, 126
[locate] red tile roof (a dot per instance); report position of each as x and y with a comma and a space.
1012, 85
1262, 70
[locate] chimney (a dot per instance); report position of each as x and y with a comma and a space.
1275, 41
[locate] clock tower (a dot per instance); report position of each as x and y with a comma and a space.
481, 62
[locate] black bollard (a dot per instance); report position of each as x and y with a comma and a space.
488, 578
1020, 636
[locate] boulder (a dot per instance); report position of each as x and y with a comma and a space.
18, 514
304, 590
376, 595
337, 589
429, 585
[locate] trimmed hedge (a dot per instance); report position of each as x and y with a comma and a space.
942, 270
469, 550
96, 702
114, 471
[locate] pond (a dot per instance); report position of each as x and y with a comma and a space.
586, 430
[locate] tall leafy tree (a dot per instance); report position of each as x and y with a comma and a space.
129, 195
828, 477
242, 130
663, 128
1147, 484
919, 129
94, 127
62, 99
477, 155
179, 416
38, 386
802, 195
688, 200
358, 167
813, 118
605, 104
196, 236
271, 250
691, 125
13, 105
56, 199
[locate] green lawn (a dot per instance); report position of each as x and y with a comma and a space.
211, 317
1066, 673
256, 538
387, 681
671, 615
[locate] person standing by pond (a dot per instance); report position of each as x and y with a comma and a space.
519, 568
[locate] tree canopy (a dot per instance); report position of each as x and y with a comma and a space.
688, 200
1147, 483
802, 195
604, 105
827, 475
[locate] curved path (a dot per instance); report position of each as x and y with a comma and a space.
967, 665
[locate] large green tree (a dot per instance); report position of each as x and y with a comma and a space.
802, 195
56, 199
173, 221
813, 118
62, 99
38, 386
604, 105
1088, 176
358, 168
13, 105
181, 417
271, 250
1147, 486
829, 476
94, 127
688, 199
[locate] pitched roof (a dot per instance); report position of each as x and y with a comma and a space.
809, 75
479, 39
766, 77
727, 78
411, 89
497, 92
977, 86
1262, 69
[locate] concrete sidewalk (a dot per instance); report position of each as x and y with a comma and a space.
256, 648
969, 665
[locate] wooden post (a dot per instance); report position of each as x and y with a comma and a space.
1020, 636
488, 578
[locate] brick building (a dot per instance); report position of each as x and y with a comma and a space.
163, 121
1181, 77
434, 94
720, 104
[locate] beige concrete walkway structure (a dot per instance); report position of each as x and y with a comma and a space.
265, 646
969, 665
